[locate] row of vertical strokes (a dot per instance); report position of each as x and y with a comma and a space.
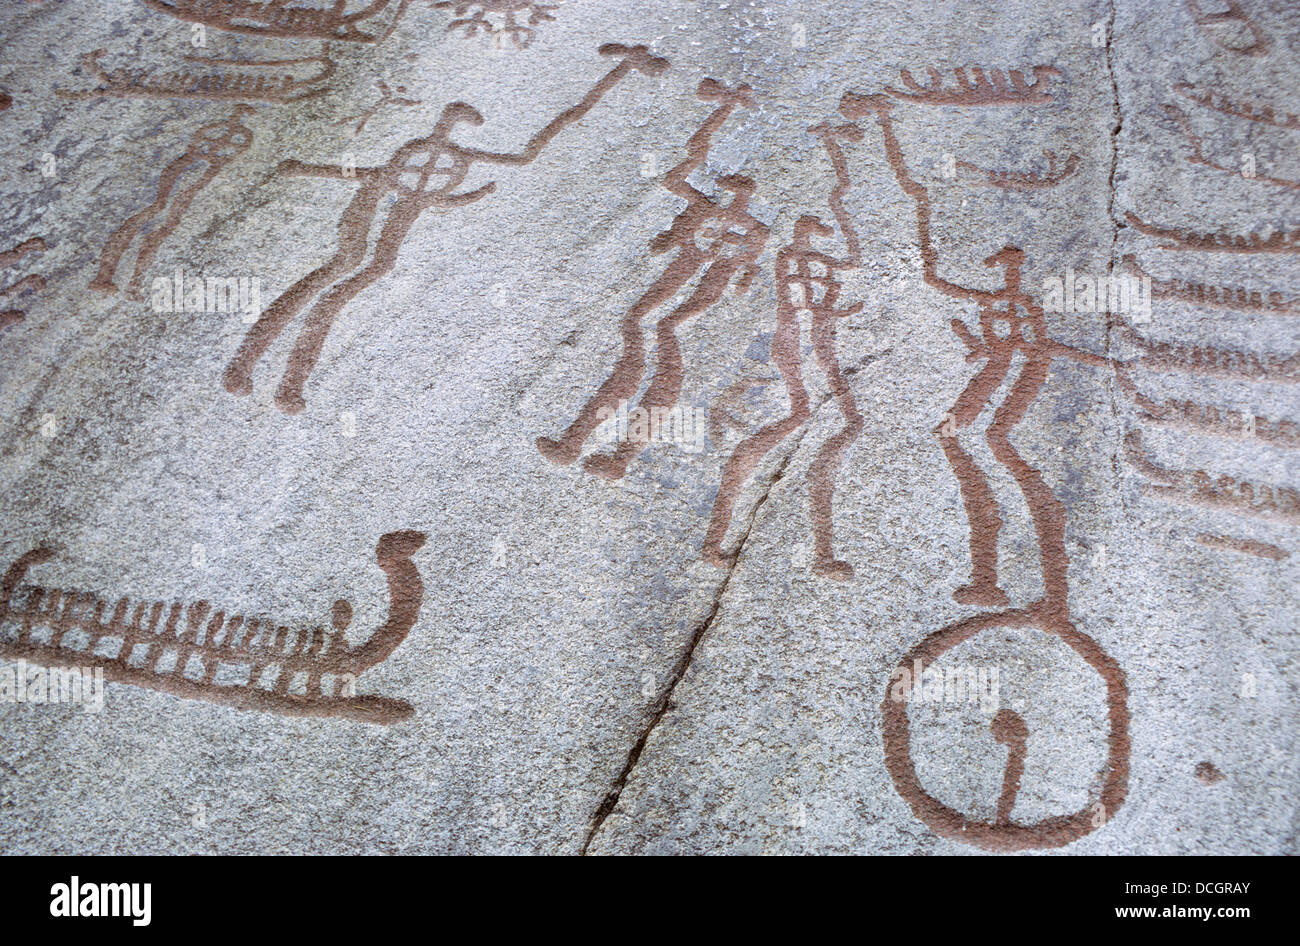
248, 641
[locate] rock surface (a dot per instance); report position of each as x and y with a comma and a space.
1082, 520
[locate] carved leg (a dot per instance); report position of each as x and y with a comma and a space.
119, 242
1047, 511
666, 384
821, 473
311, 339
353, 232
154, 239
750, 451
629, 370
981, 508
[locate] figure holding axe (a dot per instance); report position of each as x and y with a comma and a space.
719, 239
424, 173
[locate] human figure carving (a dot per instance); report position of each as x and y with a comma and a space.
423, 174
1010, 324
210, 149
806, 279
714, 240
386, 97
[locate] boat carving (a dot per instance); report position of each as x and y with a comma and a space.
278, 18
183, 653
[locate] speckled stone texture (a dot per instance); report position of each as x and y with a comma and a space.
842, 256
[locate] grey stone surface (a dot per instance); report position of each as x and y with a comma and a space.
580, 677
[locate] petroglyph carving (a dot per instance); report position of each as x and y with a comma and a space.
1011, 324
209, 150
1206, 418
252, 85
1198, 154
806, 280
422, 174
721, 410
183, 657
1220, 28
1224, 297
1199, 488
1213, 362
386, 97
498, 17
1010, 730
713, 240
1025, 180
991, 87
1225, 493
1278, 241
282, 18
29, 283
1251, 111
1001, 833
1245, 547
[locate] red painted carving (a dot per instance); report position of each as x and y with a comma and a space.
713, 240
135, 645
1012, 329
423, 174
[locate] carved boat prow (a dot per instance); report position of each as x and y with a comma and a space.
405, 592
253, 664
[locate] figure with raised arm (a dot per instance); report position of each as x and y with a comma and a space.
807, 279
424, 173
714, 240
210, 149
